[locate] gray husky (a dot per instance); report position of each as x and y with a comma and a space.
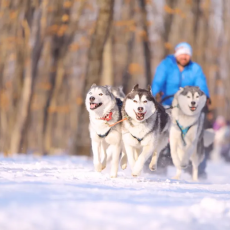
104, 109
146, 131
187, 136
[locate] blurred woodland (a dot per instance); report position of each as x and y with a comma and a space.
52, 51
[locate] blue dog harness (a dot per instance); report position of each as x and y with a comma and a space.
104, 135
183, 130
139, 139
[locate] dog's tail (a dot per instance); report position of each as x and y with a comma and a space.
209, 135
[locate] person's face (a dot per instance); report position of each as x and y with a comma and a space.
183, 59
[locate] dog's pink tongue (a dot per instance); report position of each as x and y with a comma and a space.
92, 106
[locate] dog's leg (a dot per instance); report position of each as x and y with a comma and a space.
178, 174
123, 162
135, 154
124, 159
160, 146
153, 163
175, 158
96, 146
130, 154
103, 146
145, 154
195, 163
173, 148
115, 160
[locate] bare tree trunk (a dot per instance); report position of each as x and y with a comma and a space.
145, 42
168, 20
32, 57
107, 73
59, 52
93, 72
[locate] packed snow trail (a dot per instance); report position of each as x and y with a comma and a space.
63, 193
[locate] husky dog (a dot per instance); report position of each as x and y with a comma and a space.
104, 109
117, 92
146, 130
187, 136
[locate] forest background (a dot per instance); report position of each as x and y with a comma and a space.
52, 51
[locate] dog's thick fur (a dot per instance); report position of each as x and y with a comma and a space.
188, 117
104, 110
146, 131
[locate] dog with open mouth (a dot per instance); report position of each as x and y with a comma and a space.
145, 132
105, 109
187, 135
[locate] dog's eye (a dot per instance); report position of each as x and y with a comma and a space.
145, 101
188, 97
135, 101
197, 96
100, 94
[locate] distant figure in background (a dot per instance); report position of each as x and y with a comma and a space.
222, 140
175, 71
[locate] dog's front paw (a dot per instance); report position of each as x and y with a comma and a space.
176, 177
124, 166
153, 167
113, 175
103, 167
136, 171
98, 167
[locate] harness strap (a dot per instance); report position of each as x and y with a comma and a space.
104, 135
118, 122
166, 98
139, 140
171, 107
184, 131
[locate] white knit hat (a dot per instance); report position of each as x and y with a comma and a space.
183, 48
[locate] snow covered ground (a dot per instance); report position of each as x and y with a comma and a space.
63, 193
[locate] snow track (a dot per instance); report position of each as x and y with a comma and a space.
64, 193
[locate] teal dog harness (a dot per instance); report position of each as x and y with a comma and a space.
184, 131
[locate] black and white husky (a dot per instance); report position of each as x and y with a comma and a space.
104, 109
187, 135
146, 130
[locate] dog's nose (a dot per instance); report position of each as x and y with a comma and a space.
140, 109
92, 98
193, 102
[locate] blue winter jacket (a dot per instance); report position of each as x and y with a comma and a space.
168, 78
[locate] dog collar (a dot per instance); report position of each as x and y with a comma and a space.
108, 117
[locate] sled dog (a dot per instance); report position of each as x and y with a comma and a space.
146, 131
187, 135
104, 109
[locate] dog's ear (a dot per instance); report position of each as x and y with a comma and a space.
181, 89
93, 85
149, 88
136, 87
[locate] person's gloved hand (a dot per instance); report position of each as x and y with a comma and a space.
208, 102
159, 96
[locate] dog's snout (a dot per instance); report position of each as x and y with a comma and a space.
193, 103
92, 98
140, 109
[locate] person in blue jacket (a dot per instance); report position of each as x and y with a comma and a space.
173, 72
177, 71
